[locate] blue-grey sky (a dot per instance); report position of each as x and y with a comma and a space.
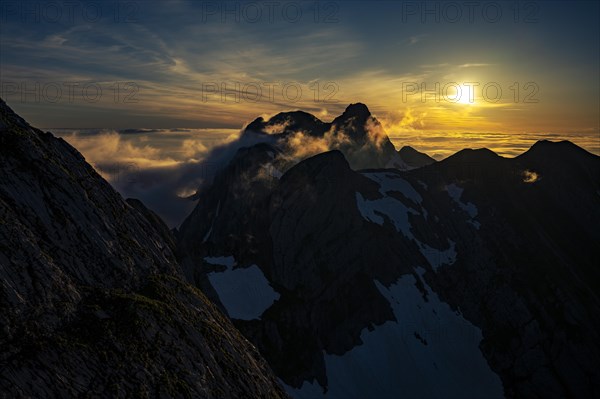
166, 64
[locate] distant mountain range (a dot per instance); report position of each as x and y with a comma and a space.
475, 276
355, 270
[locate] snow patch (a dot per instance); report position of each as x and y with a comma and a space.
397, 162
391, 182
430, 352
228, 261
396, 211
393, 208
455, 192
245, 293
436, 257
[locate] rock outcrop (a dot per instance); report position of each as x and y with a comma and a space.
92, 299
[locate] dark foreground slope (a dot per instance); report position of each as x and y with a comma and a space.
476, 276
91, 298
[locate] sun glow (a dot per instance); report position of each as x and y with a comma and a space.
465, 94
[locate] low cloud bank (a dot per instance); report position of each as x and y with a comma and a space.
165, 168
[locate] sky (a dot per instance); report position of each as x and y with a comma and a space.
168, 64
186, 76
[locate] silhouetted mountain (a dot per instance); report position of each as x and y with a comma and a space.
356, 133
414, 158
475, 276
353, 121
287, 123
93, 301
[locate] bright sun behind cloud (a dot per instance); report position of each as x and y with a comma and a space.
466, 94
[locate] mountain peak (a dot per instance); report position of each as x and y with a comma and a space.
256, 125
414, 158
473, 156
548, 145
357, 110
289, 122
546, 142
549, 152
355, 116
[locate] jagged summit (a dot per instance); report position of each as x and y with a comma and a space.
294, 121
294, 117
357, 110
287, 123
256, 125
355, 115
356, 133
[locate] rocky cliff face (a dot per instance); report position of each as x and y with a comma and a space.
92, 298
471, 277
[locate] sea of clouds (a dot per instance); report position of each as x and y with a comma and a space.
164, 168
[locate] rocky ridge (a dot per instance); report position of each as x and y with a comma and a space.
93, 300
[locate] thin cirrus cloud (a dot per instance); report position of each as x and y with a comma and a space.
170, 52
412, 40
170, 78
